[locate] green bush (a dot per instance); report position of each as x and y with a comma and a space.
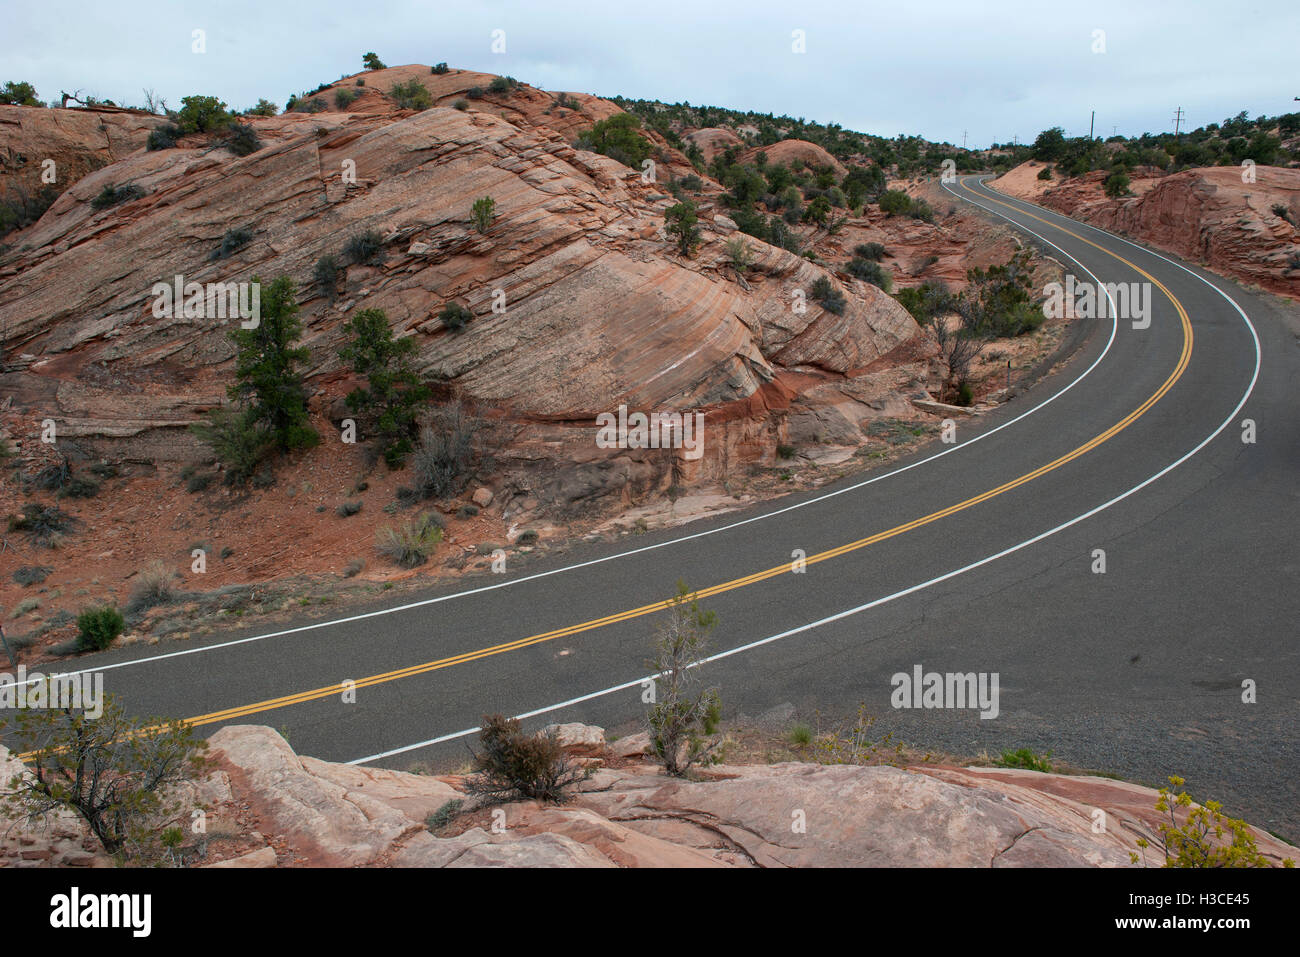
831, 299
1026, 760
202, 114
1045, 173
234, 240
461, 104
410, 543
895, 202
31, 574
326, 275
447, 455
1116, 184
348, 509
242, 140
97, 628
617, 138
372, 62
163, 137
483, 212
872, 251
264, 108
502, 84
439, 68
367, 247
116, 195
344, 97
870, 271
79, 486
454, 316
393, 391
411, 95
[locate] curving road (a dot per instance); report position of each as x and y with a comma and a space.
969, 557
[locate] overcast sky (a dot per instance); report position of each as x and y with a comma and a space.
933, 68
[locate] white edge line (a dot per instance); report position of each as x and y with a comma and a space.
674, 541
1250, 388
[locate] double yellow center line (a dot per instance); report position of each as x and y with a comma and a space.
302, 697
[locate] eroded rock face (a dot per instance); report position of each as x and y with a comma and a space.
593, 308
1205, 215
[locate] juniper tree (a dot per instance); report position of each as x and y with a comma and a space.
393, 390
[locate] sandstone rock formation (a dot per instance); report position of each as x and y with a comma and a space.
301, 811
1206, 215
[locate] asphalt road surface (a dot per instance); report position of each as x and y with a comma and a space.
969, 557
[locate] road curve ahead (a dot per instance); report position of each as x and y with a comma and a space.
973, 557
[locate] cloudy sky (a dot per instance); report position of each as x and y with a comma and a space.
934, 68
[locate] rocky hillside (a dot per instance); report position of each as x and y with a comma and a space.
266, 806
1247, 231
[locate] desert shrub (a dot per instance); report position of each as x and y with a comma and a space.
831, 299
927, 300
618, 138
79, 486
1045, 173
237, 442
513, 764
31, 574
454, 316
202, 114
154, 585
527, 537
466, 511
305, 106
483, 212
448, 453
51, 478
1199, 841
347, 509
741, 256
104, 470
502, 84
873, 252
367, 247
1116, 184
870, 271
439, 68
921, 210
233, 240
264, 108
785, 451
163, 137
998, 302
242, 140
444, 815
97, 628
372, 62
475, 93
683, 719
409, 543
325, 276
411, 95
692, 183
895, 202
461, 104
682, 228
199, 482
344, 97
118, 774
1025, 759
116, 195
43, 525
353, 568
1282, 210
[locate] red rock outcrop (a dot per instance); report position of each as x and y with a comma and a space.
1206, 215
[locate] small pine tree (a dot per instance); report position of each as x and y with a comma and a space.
372, 62
483, 213
393, 390
681, 221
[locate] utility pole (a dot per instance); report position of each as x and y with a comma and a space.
1178, 120
1092, 123
963, 139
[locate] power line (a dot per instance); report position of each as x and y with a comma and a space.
1178, 119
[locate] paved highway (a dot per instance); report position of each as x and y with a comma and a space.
976, 557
